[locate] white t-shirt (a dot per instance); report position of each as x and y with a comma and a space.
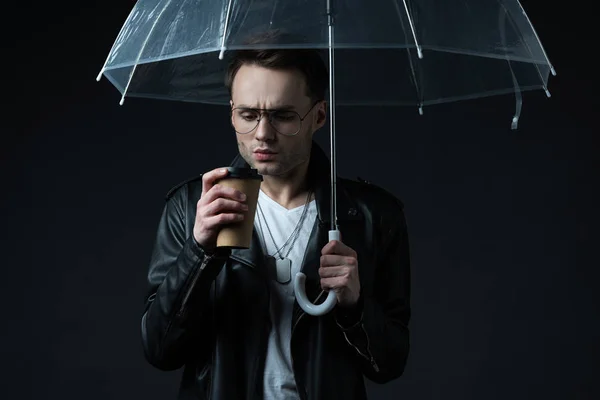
279, 382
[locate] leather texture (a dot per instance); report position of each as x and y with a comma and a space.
209, 313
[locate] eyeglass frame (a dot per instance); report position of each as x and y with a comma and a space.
262, 111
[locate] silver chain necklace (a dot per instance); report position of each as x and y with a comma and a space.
281, 267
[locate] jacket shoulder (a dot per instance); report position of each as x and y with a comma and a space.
362, 188
194, 180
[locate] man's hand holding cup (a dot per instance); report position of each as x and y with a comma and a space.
225, 211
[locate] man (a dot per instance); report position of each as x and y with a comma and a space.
236, 329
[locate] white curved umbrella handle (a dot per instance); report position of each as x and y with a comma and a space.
300, 291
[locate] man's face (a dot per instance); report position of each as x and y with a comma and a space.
261, 88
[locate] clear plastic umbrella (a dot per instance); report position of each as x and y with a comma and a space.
380, 52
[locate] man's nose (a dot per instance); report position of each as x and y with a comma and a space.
264, 130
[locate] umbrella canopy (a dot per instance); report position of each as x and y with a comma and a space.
387, 52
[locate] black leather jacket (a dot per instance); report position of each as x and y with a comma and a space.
209, 313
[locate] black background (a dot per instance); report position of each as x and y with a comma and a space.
503, 224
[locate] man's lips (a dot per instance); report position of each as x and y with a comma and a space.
264, 155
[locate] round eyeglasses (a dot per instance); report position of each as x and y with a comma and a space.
286, 122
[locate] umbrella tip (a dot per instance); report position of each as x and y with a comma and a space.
421, 110
100, 75
420, 52
515, 122
552, 70
222, 53
122, 101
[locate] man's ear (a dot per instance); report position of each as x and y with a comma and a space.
231, 113
321, 114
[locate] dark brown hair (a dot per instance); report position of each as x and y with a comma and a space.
274, 55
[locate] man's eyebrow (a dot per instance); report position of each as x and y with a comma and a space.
285, 107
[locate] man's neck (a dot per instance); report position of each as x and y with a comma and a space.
289, 191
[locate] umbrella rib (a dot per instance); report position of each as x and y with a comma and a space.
273, 12
517, 89
552, 70
110, 53
516, 28
412, 28
222, 52
410, 61
137, 60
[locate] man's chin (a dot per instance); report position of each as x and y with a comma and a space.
268, 168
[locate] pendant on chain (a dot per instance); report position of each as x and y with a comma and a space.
281, 268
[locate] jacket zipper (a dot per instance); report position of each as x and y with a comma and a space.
369, 356
203, 265
302, 315
212, 355
205, 262
263, 338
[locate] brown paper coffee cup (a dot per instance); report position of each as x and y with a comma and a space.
239, 235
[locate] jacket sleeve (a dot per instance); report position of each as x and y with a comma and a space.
176, 322
377, 327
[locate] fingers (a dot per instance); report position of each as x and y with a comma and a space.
218, 205
333, 260
338, 282
333, 272
215, 209
209, 178
213, 222
224, 205
220, 191
219, 199
337, 247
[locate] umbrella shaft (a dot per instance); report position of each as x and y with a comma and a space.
332, 119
